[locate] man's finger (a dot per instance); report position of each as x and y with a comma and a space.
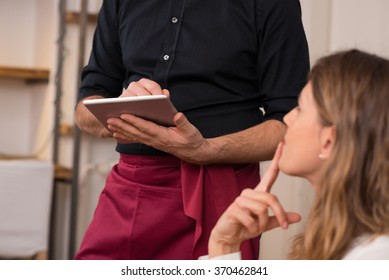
152, 87
166, 92
182, 122
135, 89
142, 87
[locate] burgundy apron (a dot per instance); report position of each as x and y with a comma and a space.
159, 207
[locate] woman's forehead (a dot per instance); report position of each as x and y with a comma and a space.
306, 94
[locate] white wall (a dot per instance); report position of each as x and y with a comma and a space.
17, 20
27, 41
364, 25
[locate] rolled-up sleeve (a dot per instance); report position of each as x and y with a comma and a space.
103, 74
283, 57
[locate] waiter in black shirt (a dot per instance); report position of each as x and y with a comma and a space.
232, 69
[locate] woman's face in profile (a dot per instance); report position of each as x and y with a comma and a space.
302, 145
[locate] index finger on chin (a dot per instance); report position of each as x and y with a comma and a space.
271, 174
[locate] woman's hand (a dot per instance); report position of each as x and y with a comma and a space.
248, 216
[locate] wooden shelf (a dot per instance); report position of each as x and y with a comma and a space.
63, 174
27, 74
15, 157
66, 130
74, 17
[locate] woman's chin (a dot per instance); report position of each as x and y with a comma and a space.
287, 167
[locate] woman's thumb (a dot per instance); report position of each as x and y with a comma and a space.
291, 217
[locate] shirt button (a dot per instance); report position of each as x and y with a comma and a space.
166, 57
174, 20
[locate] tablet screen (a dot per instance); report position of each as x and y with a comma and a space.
155, 108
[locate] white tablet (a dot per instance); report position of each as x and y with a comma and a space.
155, 108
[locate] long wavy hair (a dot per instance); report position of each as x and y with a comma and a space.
351, 91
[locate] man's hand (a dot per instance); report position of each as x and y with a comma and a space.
87, 122
183, 140
144, 87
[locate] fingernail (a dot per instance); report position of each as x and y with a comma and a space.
285, 225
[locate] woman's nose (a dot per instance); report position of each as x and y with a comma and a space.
288, 118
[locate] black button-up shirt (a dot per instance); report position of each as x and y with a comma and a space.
221, 60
